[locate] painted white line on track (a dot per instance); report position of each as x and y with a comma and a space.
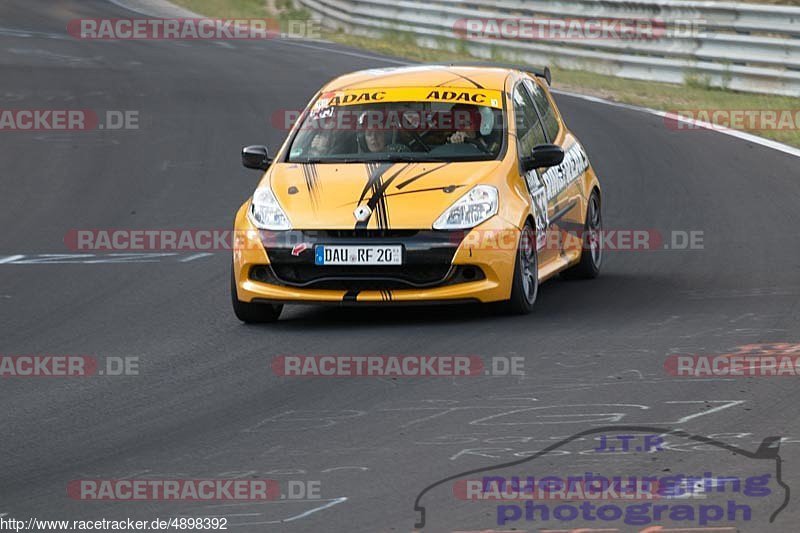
94, 259
16, 32
330, 503
725, 405
337, 501
226, 515
775, 145
341, 52
154, 8
195, 256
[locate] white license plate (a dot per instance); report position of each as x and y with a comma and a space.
358, 254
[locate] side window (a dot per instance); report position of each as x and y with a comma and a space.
529, 128
545, 109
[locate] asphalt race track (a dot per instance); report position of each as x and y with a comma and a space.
206, 403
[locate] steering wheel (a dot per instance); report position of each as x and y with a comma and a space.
417, 138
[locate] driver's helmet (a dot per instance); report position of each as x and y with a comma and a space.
466, 118
476, 119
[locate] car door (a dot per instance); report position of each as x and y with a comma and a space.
530, 133
564, 205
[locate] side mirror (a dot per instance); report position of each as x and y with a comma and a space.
256, 156
543, 155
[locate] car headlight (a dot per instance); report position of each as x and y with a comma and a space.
478, 205
265, 211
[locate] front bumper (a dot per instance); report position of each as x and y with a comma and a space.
439, 266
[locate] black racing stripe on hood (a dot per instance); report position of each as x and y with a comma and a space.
378, 206
418, 176
377, 201
312, 182
374, 173
473, 82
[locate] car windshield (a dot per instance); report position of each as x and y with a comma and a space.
336, 130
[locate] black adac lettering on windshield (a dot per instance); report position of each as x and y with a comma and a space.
454, 96
346, 99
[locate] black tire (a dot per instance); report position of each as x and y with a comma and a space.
253, 313
525, 286
592, 243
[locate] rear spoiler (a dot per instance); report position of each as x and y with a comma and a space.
539, 73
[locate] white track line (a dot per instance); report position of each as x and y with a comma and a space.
341, 52
155, 8
785, 148
331, 503
195, 256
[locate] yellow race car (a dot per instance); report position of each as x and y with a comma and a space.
418, 185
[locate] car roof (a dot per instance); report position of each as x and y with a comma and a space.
484, 77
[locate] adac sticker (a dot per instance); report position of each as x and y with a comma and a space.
481, 97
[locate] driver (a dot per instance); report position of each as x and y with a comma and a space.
373, 135
321, 143
375, 139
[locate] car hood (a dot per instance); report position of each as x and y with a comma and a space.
400, 195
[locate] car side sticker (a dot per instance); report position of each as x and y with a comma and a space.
558, 178
552, 182
539, 196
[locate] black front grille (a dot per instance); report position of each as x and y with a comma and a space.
367, 233
427, 260
410, 275
365, 278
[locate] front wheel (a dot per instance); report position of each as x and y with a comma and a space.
591, 245
253, 313
525, 286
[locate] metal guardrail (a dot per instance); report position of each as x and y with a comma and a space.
745, 47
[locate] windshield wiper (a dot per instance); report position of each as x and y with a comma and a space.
328, 160
411, 158
393, 158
